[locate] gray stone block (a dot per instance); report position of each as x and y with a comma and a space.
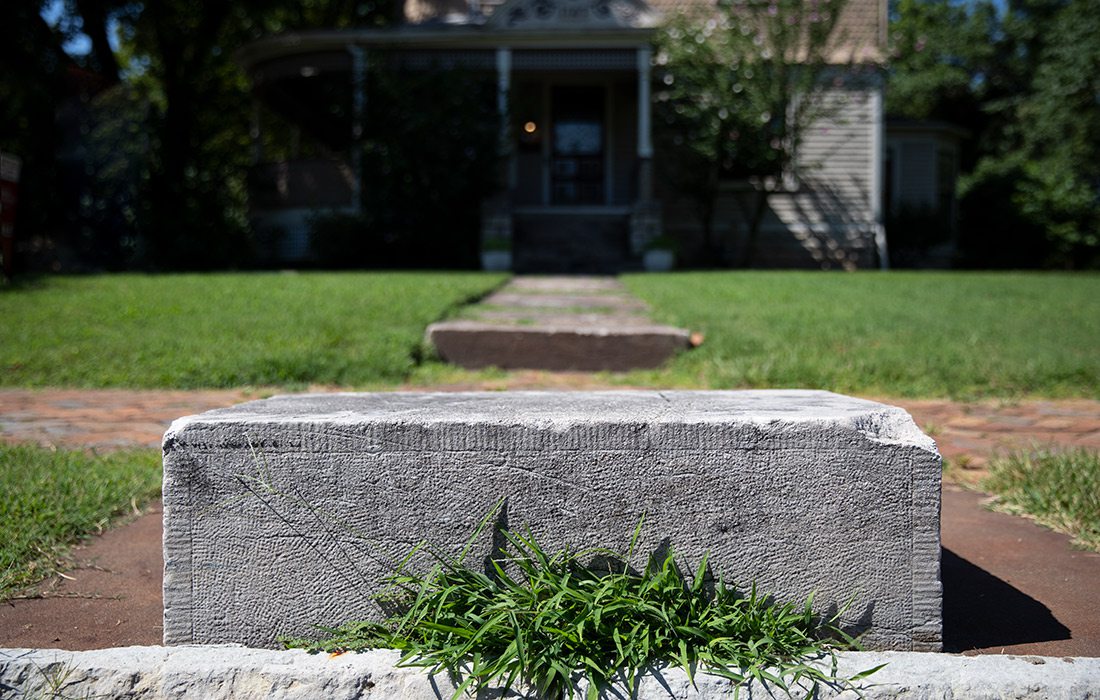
286, 513
613, 347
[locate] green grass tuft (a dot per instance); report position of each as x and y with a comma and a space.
1058, 489
53, 498
544, 620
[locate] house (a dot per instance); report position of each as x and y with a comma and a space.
582, 188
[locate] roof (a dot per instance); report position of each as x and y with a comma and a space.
860, 35
861, 29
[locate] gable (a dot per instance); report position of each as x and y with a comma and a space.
860, 33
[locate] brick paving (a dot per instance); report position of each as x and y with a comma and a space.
968, 434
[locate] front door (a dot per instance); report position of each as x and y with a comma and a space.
577, 145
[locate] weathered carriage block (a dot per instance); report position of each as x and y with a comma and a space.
286, 513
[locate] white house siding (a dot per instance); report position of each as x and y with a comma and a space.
828, 220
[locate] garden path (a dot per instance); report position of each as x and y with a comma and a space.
558, 323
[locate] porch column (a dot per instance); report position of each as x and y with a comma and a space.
358, 114
878, 162
504, 86
645, 136
645, 219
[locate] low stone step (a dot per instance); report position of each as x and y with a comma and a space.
284, 514
566, 284
584, 324
550, 317
566, 301
557, 345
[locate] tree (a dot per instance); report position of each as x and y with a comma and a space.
1059, 122
1023, 80
738, 90
940, 59
158, 175
430, 154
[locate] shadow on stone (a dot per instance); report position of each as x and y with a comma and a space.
982, 611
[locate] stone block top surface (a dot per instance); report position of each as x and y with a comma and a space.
560, 410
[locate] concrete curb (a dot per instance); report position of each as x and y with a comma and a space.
228, 671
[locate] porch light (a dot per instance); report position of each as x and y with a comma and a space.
530, 127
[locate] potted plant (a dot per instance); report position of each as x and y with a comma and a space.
660, 254
496, 254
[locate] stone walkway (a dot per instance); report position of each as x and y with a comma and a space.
558, 323
1009, 586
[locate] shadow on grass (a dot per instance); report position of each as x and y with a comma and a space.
981, 611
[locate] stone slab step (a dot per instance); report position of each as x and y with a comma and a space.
581, 324
550, 317
566, 301
557, 346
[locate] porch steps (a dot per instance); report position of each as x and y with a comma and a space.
566, 243
585, 324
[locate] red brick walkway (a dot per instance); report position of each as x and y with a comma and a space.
103, 418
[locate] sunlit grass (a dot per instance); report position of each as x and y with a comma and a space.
1058, 489
949, 334
226, 329
53, 498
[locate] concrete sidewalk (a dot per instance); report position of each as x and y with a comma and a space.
1009, 586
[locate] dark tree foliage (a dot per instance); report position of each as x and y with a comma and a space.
1024, 80
430, 156
35, 79
137, 155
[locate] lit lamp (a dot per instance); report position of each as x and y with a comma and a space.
530, 134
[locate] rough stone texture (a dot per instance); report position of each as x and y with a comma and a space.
217, 672
286, 513
610, 347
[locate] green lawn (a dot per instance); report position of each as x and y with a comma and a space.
52, 498
224, 330
954, 334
